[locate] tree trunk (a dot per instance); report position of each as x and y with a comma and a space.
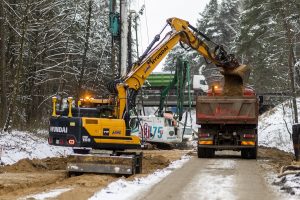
62, 79
16, 82
291, 62
86, 47
3, 104
291, 75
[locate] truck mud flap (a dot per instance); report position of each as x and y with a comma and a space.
119, 164
226, 147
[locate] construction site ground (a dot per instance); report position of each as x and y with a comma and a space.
28, 177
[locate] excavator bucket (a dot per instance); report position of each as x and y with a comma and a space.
234, 80
123, 163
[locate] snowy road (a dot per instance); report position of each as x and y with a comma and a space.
224, 177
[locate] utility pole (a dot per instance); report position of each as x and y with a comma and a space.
132, 23
124, 33
136, 34
114, 28
129, 43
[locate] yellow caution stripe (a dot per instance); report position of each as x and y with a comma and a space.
206, 142
248, 143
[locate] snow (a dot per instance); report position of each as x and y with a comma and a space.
293, 182
221, 183
18, 145
274, 127
297, 64
289, 184
273, 131
46, 195
208, 182
123, 189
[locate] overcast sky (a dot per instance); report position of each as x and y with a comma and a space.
158, 11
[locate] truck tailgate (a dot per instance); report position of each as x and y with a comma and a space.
226, 110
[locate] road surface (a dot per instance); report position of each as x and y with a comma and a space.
224, 177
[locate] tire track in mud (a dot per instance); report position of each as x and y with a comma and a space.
39, 175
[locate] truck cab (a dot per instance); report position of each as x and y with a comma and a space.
199, 83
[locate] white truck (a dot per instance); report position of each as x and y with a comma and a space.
199, 83
155, 129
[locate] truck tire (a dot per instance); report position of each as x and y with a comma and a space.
205, 152
249, 153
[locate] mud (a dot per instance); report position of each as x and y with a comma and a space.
35, 176
37, 165
14, 182
275, 157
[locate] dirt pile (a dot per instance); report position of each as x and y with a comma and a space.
233, 86
37, 165
34, 176
275, 157
17, 182
152, 163
234, 80
153, 159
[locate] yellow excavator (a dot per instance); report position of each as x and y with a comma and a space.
104, 123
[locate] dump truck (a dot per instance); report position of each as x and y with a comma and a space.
227, 123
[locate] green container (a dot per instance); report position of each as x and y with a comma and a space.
160, 79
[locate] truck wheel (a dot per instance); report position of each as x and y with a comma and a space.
206, 152
249, 153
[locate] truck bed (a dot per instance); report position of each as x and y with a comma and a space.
227, 110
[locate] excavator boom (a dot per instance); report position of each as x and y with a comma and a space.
183, 32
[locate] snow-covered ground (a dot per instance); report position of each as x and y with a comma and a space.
274, 130
123, 189
18, 145
47, 195
275, 127
290, 184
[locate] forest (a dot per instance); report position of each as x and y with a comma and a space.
63, 48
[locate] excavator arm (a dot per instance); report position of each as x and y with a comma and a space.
183, 32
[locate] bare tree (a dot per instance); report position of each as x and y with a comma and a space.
16, 81
86, 47
291, 56
2, 64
